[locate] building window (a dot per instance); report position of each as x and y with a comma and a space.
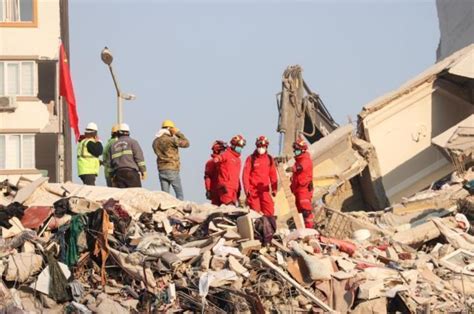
17, 151
17, 78
18, 13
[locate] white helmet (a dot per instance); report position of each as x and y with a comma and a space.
92, 127
124, 127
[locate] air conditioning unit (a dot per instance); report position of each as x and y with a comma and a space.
8, 103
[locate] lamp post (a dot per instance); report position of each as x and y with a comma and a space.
107, 58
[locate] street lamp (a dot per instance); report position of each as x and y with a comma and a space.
107, 58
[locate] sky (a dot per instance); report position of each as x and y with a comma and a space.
214, 67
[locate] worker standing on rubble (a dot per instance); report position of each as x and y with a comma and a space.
210, 172
302, 181
260, 179
228, 171
105, 157
89, 150
166, 147
126, 159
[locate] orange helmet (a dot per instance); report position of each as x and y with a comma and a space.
238, 140
218, 146
262, 141
300, 144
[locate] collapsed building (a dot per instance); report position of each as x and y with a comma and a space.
359, 168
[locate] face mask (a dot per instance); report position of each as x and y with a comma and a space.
238, 149
261, 150
297, 152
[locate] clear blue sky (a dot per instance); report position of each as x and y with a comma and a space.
214, 67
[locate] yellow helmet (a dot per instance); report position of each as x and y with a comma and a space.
168, 124
115, 128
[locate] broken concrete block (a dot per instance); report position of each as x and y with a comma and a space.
81, 205
24, 193
22, 266
218, 263
28, 247
188, 252
245, 227
373, 306
280, 259
345, 264
171, 292
237, 267
392, 254
371, 290
232, 235
249, 246
14, 230
108, 306
167, 226
205, 260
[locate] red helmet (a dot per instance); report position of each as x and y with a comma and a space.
262, 141
238, 140
218, 146
300, 144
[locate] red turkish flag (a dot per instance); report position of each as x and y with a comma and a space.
67, 90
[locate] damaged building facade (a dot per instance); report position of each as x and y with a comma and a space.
415, 114
34, 129
359, 167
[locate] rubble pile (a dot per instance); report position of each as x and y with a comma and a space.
65, 247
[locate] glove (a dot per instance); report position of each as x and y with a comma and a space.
143, 176
173, 131
208, 195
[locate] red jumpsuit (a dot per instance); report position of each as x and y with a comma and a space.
259, 176
228, 176
210, 179
302, 187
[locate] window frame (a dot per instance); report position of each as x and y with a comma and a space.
31, 24
7, 166
20, 72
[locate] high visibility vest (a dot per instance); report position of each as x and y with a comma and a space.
105, 157
86, 162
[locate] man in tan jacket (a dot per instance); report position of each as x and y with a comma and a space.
166, 147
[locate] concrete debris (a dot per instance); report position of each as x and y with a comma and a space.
22, 266
152, 253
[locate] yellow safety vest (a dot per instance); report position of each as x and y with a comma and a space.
86, 162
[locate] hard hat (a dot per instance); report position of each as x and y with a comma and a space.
115, 128
238, 140
218, 146
300, 144
262, 141
124, 127
168, 124
92, 127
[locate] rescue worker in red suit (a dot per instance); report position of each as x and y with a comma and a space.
302, 181
228, 171
260, 179
210, 173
